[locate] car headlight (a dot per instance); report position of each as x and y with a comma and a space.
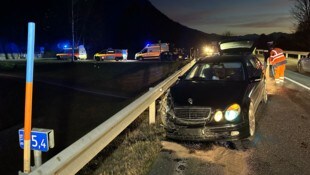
232, 112
218, 116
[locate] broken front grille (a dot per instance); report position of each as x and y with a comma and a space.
192, 113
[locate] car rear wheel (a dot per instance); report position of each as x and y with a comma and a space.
140, 59
300, 68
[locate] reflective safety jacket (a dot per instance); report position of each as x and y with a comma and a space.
277, 57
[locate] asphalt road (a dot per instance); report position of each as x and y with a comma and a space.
281, 144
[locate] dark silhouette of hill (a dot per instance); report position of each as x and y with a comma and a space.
102, 24
99, 24
131, 24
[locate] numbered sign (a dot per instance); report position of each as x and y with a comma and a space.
41, 139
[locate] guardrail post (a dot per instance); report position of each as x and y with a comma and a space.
299, 56
37, 158
152, 113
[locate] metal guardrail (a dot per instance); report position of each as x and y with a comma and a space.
299, 54
75, 156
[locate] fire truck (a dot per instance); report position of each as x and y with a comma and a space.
79, 53
159, 51
111, 54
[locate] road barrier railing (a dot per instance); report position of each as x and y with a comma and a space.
78, 154
299, 54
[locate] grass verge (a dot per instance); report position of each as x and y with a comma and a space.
132, 152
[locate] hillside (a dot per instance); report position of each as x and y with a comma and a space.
131, 24
99, 24
102, 24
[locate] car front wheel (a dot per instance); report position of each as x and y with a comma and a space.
97, 58
251, 121
244, 144
265, 95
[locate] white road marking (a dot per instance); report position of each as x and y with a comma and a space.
293, 81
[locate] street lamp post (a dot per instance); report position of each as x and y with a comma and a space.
72, 27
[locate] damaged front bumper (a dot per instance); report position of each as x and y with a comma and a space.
209, 133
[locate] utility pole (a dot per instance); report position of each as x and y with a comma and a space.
72, 27
159, 42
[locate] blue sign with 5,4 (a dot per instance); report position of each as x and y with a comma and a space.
39, 140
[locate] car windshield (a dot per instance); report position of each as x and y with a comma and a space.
224, 71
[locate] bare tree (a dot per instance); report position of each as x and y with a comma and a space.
301, 13
228, 33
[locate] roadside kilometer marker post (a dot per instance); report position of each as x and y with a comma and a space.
41, 140
32, 139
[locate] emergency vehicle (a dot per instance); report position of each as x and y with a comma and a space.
111, 54
152, 51
162, 51
79, 53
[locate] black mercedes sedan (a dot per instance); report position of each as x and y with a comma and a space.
216, 100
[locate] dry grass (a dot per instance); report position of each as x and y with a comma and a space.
131, 153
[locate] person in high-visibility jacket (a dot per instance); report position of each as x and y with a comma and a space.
278, 61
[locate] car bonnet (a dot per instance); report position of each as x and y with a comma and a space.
215, 94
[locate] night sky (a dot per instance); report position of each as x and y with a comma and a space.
236, 16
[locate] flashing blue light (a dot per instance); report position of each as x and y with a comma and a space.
147, 43
63, 44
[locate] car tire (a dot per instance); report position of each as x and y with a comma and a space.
265, 95
300, 68
97, 59
140, 59
247, 143
252, 124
